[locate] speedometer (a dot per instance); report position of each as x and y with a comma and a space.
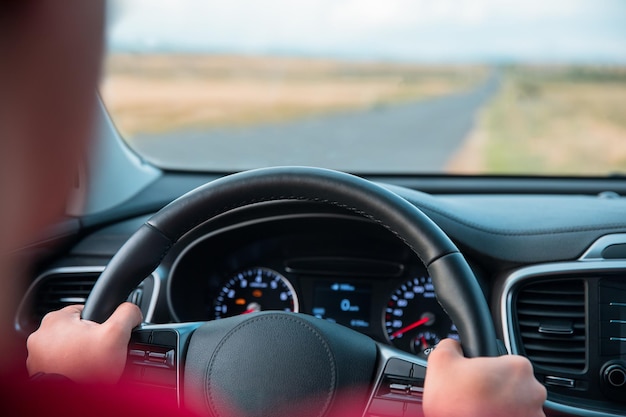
413, 319
255, 289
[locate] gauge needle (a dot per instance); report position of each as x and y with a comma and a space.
252, 308
411, 326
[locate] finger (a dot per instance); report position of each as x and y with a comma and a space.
126, 317
73, 309
450, 346
446, 351
71, 312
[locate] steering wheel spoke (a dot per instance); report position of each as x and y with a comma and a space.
156, 356
399, 384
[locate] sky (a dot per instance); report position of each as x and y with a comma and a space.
585, 31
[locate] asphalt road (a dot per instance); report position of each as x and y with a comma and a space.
413, 137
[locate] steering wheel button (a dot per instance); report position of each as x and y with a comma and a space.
170, 358
416, 391
381, 407
164, 338
136, 353
159, 376
141, 336
398, 367
414, 409
156, 357
399, 388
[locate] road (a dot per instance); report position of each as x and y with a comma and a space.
414, 137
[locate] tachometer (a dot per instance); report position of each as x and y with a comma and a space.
413, 319
255, 289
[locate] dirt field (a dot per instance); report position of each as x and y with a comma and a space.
157, 93
551, 120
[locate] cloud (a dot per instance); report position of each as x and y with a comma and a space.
406, 29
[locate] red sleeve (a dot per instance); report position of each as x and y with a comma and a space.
51, 396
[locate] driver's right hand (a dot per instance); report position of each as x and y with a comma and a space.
457, 386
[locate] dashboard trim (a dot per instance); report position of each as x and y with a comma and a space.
594, 253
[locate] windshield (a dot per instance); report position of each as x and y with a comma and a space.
368, 86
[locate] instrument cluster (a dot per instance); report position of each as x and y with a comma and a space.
347, 271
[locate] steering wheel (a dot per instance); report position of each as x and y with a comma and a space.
262, 364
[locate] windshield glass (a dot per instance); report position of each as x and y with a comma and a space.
371, 86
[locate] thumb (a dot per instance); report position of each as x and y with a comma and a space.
450, 345
126, 317
447, 350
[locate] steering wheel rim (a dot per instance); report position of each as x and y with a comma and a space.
455, 284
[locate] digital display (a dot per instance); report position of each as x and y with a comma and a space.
343, 303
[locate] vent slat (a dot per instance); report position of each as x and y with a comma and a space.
529, 322
555, 346
544, 302
561, 302
56, 288
574, 314
552, 291
538, 336
54, 294
560, 362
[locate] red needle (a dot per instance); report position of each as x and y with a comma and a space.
424, 342
410, 327
250, 310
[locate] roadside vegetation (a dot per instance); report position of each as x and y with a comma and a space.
551, 120
160, 93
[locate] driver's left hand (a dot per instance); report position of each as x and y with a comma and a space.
82, 350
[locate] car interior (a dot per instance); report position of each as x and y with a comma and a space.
547, 258
306, 280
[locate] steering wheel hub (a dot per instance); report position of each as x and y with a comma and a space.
261, 364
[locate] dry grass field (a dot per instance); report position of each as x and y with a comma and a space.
551, 120
158, 93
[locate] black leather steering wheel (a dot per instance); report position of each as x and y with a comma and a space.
262, 363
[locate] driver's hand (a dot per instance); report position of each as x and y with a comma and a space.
82, 350
480, 387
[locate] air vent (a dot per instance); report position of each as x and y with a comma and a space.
60, 290
551, 324
61, 287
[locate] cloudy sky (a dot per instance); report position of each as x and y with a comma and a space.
417, 30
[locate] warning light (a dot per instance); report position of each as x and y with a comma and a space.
240, 301
257, 293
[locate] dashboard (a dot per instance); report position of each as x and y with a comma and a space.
552, 268
334, 267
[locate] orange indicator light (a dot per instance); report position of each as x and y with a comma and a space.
257, 293
240, 301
